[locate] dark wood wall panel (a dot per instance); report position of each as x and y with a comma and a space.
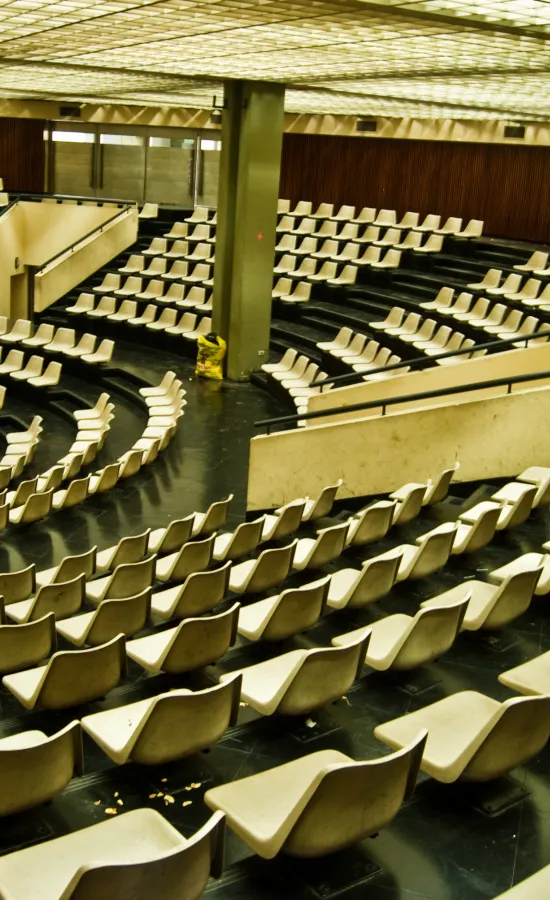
506, 186
22, 154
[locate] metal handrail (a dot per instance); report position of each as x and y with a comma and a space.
100, 200
98, 229
341, 379
403, 398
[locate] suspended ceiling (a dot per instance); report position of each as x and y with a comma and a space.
455, 59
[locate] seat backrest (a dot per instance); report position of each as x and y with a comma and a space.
202, 591
22, 646
176, 535
377, 578
512, 598
78, 676
193, 557
72, 566
297, 610
37, 506
272, 567
433, 631
325, 500
374, 522
216, 515
181, 724
201, 641
34, 774
354, 800
434, 551
289, 519
64, 598
246, 538
330, 544
20, 585
129, 579
123, 616
76, 492
517, 734
325, 674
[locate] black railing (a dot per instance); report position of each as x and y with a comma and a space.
80, 198
504, 342
403, 398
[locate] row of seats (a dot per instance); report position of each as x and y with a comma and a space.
384, 218
189, 326
363, 355
512, 289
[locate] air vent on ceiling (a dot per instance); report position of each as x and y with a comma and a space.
366, 125
514, 131
71, 112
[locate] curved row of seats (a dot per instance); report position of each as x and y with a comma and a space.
189, 326
38, 497
288, 691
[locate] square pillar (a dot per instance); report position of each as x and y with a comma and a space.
250, 164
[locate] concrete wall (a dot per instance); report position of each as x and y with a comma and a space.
484, 368
31, 233
73, 267
489, 438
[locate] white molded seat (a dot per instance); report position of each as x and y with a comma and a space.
492, 606
473, 737
201, 592
111, 618
127, 580
301, 681
400, 642
286, 614
430, 553
136, 853
270, 568
63, 598
320, 803
70, 677
83, 305
193, 644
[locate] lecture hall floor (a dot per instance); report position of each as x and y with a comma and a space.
440, 846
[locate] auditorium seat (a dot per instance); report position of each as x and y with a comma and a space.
313, 553
471, 736
71, 677
301, 681
474, 229
200, 593
132, 286
385, 217
194, 556
127, 310
179, 249
400, 642
347, 276
99, 357
136, 852
284, 615
111, 282
83, 305
42, 336
156, 267
34, 768
37, 506
443, 302
319, 803
178, 230
473, 535
154, 290
133, 265
370, 234
267, 570
112, 617
389, 239
529, 291
410, 498
492, 606
63, 598
167, 727
539, 476
452, 226
409, 241
434, 244
69, 567
127, 580
149, 211
390, 260
241, 542
430, 553
178, 270
193, 644
371, 524
302, 208
23, 646
430, 223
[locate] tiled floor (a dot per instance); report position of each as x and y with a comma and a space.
440, 846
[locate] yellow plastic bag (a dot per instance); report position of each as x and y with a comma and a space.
209, 358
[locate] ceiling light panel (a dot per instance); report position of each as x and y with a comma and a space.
381, 54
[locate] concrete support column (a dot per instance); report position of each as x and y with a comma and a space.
252, 135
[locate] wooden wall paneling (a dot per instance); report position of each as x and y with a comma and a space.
22, 154
506, 186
